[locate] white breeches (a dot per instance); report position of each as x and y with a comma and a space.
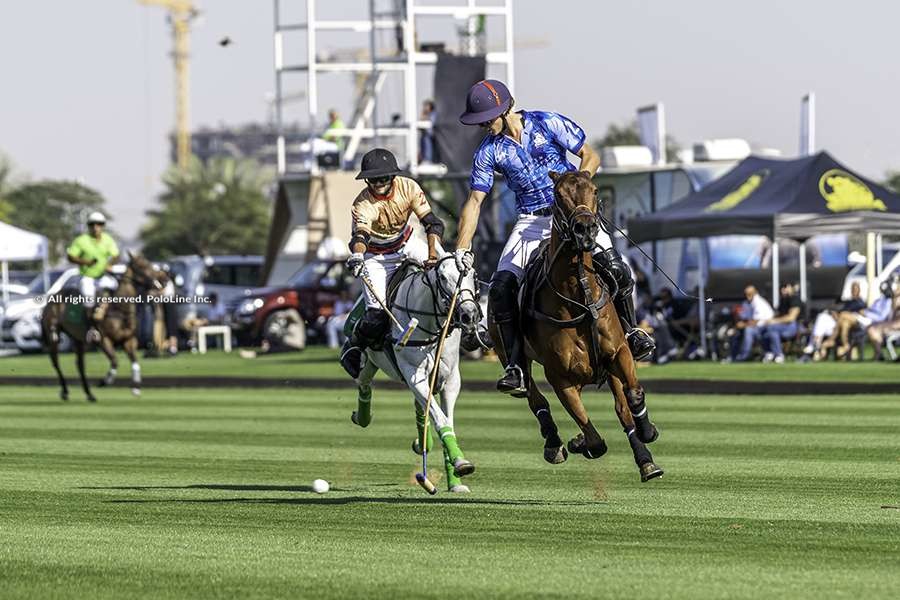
380, 267
824, 325
88, 286
527, 234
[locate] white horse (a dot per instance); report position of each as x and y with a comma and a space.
426, 295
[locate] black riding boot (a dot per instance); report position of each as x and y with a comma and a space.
504, 298
639, 341
369, 331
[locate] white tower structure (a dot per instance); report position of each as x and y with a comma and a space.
372, 69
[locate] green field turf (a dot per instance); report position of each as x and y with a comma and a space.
205, 493
320, 362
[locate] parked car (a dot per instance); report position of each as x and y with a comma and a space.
225, 277
298, 309
20, 321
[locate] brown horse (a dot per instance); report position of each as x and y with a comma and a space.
571, 328
117, 325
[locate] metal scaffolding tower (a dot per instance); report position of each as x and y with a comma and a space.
403, 20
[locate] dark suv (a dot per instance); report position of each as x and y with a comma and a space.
298, 309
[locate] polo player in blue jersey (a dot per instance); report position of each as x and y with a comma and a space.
525, 146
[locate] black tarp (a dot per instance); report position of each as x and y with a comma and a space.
453, 76
787, 199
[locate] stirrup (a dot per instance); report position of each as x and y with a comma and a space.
353, 361
640, 343
513, 382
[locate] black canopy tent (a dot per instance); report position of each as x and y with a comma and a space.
793, 199
781, 199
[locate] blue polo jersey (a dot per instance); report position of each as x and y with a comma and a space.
545, 139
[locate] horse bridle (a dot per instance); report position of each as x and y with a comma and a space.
440, 293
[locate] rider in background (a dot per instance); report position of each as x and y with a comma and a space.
94, 252
382, 238
525, 146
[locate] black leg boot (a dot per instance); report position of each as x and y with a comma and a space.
639, 341
370, 330
505, 309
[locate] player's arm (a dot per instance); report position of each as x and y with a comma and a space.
434, 227
359, 242
590, 160
468, 219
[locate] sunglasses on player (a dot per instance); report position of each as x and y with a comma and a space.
378, 181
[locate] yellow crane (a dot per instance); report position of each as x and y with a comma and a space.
181, 13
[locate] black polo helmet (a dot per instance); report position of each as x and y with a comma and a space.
378, 163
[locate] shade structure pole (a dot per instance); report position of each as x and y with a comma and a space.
775, 275
702, 294
879, 258
803, 271
871, 292
4, 267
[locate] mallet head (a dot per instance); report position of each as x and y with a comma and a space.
426, 484
407, 333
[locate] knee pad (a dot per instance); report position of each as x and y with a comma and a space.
504, 296
619, 271
373, 326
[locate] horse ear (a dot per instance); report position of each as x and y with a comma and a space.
555, 176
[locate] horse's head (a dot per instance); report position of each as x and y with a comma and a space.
144, 274
468, 312
575, 209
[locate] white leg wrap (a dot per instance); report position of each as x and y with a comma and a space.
135, 373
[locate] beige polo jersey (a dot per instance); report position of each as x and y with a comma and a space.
385, 220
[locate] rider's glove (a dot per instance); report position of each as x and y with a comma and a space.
355, 263
465, 260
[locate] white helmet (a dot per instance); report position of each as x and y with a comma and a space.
96, 217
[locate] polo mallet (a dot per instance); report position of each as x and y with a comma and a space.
422, 478
406, 331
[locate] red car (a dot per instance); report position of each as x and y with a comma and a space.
288, 314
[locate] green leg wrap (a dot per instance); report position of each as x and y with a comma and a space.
452, 479
420, 425
451, 447
364, 405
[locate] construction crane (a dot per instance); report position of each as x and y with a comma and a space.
181, 13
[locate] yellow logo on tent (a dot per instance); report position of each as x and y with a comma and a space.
741, 193
844, 192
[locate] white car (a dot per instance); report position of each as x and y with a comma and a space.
20, 320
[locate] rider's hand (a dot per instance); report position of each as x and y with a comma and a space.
431, 261
465, 260
355, 263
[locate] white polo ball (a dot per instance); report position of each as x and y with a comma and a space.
320, 486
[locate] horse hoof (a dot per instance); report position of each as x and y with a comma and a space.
650, 471
576, 444
102, 383
354, 418
64, 396
460, 488
595, 451
91, 398
557, 455
463, 467
136, 392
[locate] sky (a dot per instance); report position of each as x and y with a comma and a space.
88, 92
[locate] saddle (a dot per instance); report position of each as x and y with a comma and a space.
537, 276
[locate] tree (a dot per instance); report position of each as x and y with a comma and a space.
53, 208
892, 182
6, 185
220, 207
628, 134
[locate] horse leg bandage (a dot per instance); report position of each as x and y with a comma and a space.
645, 429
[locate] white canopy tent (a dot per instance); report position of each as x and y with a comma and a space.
19, 244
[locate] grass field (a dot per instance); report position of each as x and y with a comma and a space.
205, 493
320, 362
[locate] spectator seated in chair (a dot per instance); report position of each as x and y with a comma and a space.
826, 321
783, 326
881, 311
755, 312
878, 332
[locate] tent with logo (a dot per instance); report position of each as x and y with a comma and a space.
781, 199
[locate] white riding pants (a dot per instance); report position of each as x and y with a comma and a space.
88, 286
527, 234
380, 267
